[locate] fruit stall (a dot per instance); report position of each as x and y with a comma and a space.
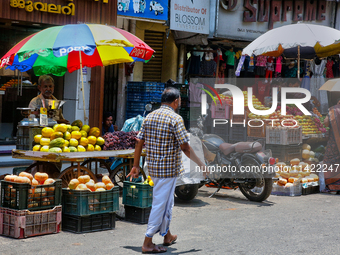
296, 140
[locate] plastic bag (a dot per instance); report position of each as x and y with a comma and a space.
133, 124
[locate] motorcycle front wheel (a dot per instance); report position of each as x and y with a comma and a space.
259, 188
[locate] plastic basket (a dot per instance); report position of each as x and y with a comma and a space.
219, 112
155, 96
139, 97
237, 133
24, 223
84, 202
18, 170
137, 194
257, 130
285, 152
136, 86
238, 118
90, 223
283, 136
292, 191
135, 106
22, 196
137, 215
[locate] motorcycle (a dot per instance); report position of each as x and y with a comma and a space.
243, 165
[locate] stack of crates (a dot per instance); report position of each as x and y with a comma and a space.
28, 211
85, 211
285, 143
141, 93
137, 200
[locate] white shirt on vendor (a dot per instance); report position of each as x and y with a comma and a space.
36, 103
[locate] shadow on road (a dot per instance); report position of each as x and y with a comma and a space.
234, 197
170, 250
193, 203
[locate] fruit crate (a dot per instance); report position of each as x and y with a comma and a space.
137, 194
259, 129
283, 136
135, 106
185, 113
155, 96
195, 112
219, 112
285, 152
239, 118
261, 140
137, 215
89, 223
18, 170
22, 196
237, 133
222, 131
292, 191
84, 202
310, 188
139, 97
25, 137
136, 86
24, 223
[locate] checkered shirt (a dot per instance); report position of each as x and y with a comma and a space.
163, 131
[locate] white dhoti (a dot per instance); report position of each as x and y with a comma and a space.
162, 204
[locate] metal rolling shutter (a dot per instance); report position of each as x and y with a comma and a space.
152, 71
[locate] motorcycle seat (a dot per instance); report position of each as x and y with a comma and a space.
244, 147
227, 148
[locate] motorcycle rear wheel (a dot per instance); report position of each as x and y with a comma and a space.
264, 193
263, 187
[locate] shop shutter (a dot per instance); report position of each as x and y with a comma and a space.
152, 71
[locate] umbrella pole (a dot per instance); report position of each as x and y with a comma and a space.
82, 86
298, 71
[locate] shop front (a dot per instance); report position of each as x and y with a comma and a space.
20, 19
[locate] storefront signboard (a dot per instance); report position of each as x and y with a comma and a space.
147, 9
248, 19
190, 16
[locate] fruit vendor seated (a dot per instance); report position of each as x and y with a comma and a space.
46, 88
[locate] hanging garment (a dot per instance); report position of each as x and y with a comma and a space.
195, 64
306, 78
278, 67
316, 82
261, 61
336, 69
230, 57
208, 67
329, 67
195, 91
251, 63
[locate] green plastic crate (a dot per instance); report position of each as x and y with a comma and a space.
137, 194
18, 170
89, 223
84, 202
21, 196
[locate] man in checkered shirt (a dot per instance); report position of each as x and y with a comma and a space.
165, 136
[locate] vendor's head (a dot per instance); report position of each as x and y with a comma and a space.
107, 119
46, 86
293, 82
172, 97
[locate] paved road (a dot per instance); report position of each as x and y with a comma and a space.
224, 224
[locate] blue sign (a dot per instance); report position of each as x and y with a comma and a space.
148, 9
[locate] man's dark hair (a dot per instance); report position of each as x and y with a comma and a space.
106, 115
170, 94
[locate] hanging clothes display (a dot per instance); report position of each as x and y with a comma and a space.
208, 67
270, 69
329, 67
251, 67
336, 70
278, 67
316, 82
230, 54
194, 64
306, 77
195, 91
261, 63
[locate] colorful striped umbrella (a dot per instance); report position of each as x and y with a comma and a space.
55, 50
